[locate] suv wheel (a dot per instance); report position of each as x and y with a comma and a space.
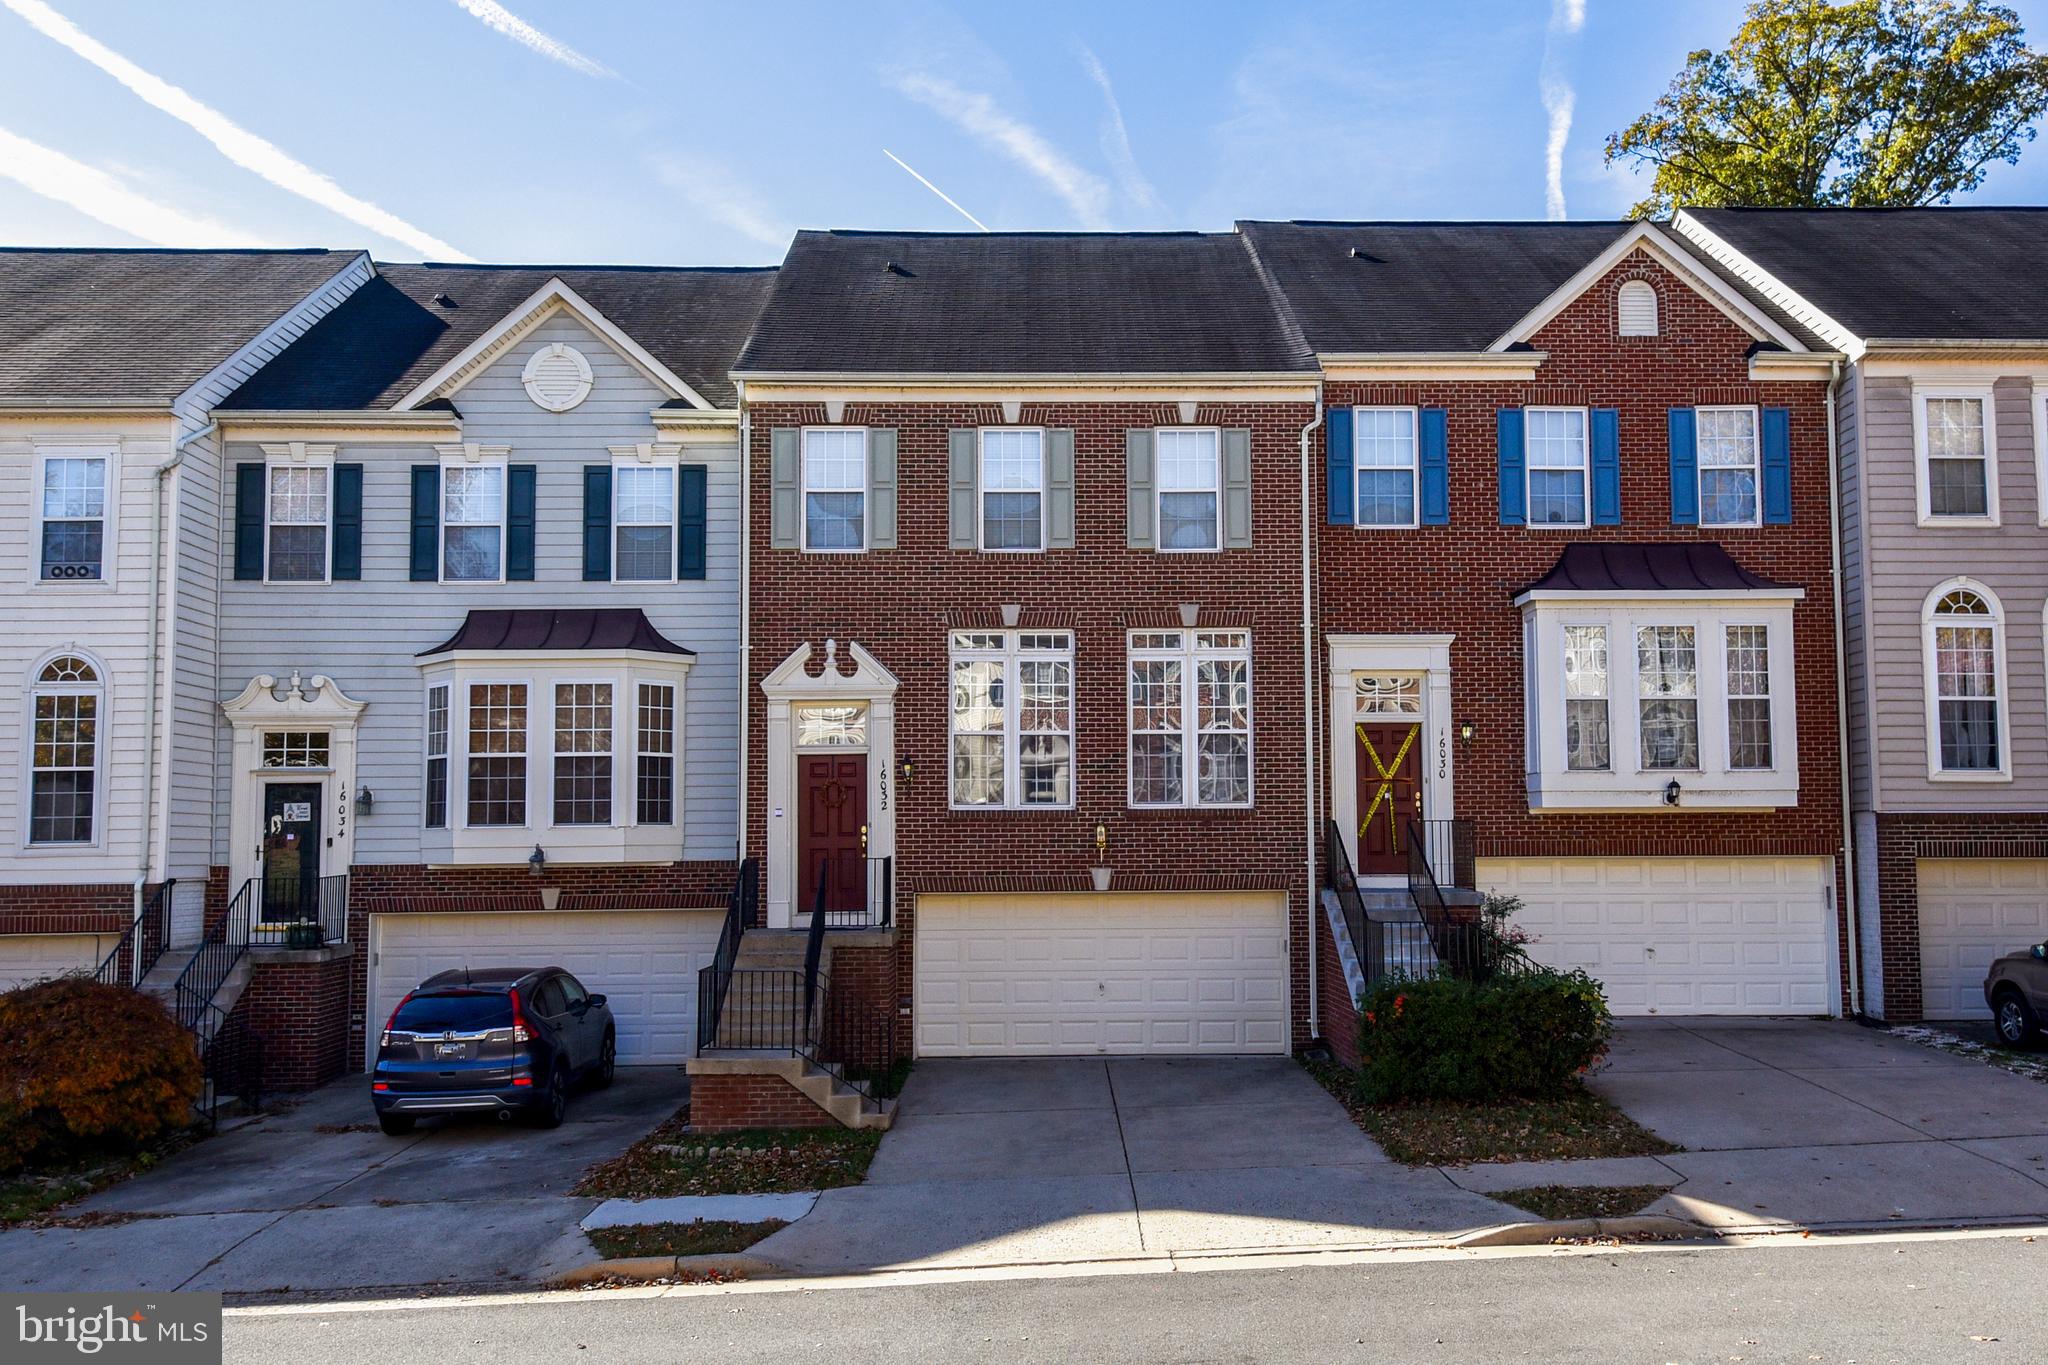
556, 1106
607, 1062
396, 1125
2015, 1020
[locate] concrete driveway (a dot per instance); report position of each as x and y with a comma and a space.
1826, 1124
1005, 1162
316, 1198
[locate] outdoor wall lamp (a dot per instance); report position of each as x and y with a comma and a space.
1671, 790
909, 770
537, 861
366, 801
1101, 842
1465, 733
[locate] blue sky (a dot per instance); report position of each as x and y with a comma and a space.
545, 130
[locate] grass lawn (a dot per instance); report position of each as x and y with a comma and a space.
671, 1160
680, 1239
1456, 1133
27, 1196
1583, 1201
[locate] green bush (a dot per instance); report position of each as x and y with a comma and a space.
85, 1065
1528, 1034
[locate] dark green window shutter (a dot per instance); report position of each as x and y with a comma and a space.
597, 523
520, 482
691, 522
1606, 453
1683, 424
1777, 466
1511, 462
426, 523
348, 521
1434, 448
1340, 496
249, 521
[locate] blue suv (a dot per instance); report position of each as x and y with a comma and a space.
508, 1040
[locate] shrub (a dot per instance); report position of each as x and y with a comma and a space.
1528, 1033
89, 1065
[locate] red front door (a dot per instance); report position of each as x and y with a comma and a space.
1389, 795
832, 791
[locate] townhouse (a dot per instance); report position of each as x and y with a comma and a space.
1939, 442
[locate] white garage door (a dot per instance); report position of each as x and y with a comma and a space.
1971, 911
36, 957
1682, 935
644, 962
1037, 975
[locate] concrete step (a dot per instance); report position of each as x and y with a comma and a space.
851, 1108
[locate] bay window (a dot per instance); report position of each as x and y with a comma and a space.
1749, 696
1190, 699
1668, 691
583, 753
656, 771
1012, 719
1585, 693
497, 754
435, 814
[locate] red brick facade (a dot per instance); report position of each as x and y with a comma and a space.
729, 1103
299, 1010
1902, 841
90, 909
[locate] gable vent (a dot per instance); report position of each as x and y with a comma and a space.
1636, 309
557, 377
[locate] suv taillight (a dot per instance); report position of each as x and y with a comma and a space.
519, 1033
385, 1039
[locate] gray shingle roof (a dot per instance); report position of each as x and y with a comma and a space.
1946, 273
393, 333
1022, 303
84, 325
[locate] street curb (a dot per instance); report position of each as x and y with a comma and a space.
735, 1266
1544, 1233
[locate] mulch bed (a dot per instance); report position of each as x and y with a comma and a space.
1583, 1201
673, 1161
680, 1239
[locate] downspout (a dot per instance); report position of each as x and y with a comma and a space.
156, 574
746, 616
1849, 905
1308, 697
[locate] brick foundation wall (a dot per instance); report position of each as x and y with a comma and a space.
728, 1103
862, 1023
103, 908
1902, 841
300, 1011
1338, 1011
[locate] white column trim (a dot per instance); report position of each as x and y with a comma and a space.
1428, 655
259, 707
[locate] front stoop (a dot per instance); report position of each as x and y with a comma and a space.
750, 1090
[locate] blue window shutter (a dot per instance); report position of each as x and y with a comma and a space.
1777, 466
1685, 467
249, 521
1337, 453
426, 523
519, 500
1606, 467
348, 521
1514, 483
1434, 448
597, 523
690, 521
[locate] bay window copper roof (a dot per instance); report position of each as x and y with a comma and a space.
590, 630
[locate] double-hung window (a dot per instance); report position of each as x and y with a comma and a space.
435, 815
583, 753
1957, 473
1012, 489
643, 522
1728, 466
1586, 720
1190, 718
1190, 488
1963, 640
74, 517
473, 523
835, 488
1384, 450
655, 776
64, 753
497, 754
1556, 460
1012, 718
1668, 696
1749, 696
296, 517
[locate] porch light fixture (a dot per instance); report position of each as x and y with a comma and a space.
366, 801
1671, 790
537, 861
1465, 733
1101, 842
909, 770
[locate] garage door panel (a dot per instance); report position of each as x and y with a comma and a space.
25, 958
1973, 910
644, 962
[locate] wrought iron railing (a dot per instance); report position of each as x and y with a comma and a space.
848, 1033
298, 914
1464, 943
142, 944
714, 981
230, 1060
1450, 849
841, 907
219, 951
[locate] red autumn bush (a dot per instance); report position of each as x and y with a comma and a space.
84, 1064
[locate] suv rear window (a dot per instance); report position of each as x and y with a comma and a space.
462, 1011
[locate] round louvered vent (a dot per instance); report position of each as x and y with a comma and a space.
558, 377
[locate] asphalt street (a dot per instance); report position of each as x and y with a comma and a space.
1890, 1299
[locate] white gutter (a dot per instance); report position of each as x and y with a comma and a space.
1849, 906
746, 633
1308, 694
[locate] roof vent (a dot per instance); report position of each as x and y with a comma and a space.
897, 268
1359, 253
445, 300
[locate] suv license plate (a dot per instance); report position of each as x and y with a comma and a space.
449, 1049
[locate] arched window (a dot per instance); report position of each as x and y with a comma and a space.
63, 780
1966, 692
1636, 309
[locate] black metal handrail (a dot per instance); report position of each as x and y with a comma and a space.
1339, 879
1450, 848
877, 900
219, 951
1463, 942
142, 944
230, 1060
850, 1035
302, 921
814, 941
714, 981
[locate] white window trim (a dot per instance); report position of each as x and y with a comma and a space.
1982, 392
1159, 492
2040, 415
1606, 697
554, 686
447, 754
309, 461
459, 723
1930, 686
803, 493
1585, 473
1770, 698
1010, 656
504, 469
1414, 467
1189, 656
982, 490
103, 689
1682, 620
110, 451
675, 507
1756, 437
674, 754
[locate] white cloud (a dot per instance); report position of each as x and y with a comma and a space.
1116, 139
1567, 17
980, 117
98, 195
504, 21
237, 144
714, 194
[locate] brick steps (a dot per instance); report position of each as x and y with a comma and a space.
717, 1104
